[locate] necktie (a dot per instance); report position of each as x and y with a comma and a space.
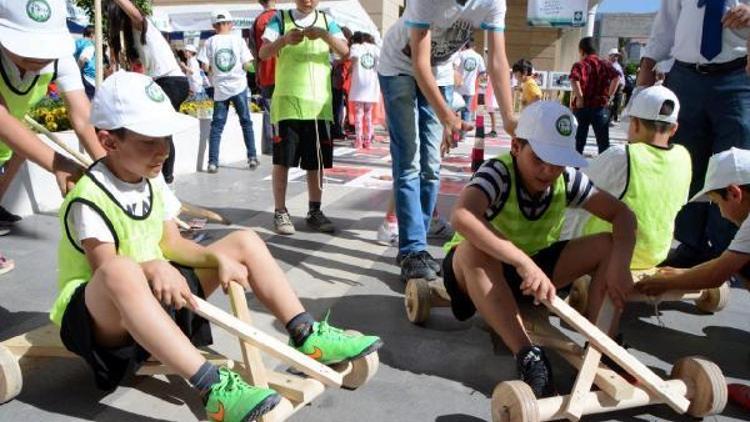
711, 41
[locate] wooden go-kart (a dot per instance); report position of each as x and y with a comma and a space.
297, 391
697, 387
708, 300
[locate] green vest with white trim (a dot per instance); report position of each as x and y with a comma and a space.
657, 187
135, 237
303, 76
529, 235
19, 102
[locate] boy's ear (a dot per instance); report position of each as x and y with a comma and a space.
735, 193
674, 129
108, 141
515, 147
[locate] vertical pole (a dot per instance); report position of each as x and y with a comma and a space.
591, 20
99, 47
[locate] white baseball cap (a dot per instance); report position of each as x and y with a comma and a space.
35, 28
135, 102
613, 52
550, 129
730, 167
191, 48
647, 104
220, 16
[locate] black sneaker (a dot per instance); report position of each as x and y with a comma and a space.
534, 369
432, 262
492, 134
318, 221
253, 163
415, 265
7, 218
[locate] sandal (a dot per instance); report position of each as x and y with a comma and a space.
6, 264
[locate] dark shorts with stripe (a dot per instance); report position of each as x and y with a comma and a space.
298, 144
111, 365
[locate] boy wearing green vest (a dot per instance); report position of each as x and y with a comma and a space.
36, 49
649, 174
302, 40
127, 277
508, 221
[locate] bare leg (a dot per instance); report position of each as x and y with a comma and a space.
492, 120
266, 278
314, 191
391, 207
122, 305
479, 275
11, 169
279, 180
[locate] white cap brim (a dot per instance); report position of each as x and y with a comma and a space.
37, 45
157, 128
559, 156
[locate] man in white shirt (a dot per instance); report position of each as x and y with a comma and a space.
226, 58
470, 65
708, 41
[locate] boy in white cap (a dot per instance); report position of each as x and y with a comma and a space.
36, 49
226, 58
127, 277
508, 221
649, 174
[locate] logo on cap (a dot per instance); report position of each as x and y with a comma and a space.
564, 125
225, 59
154, 92
38, 10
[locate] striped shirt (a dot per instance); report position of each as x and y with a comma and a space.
493, 179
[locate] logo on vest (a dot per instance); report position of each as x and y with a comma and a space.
225, 59
470, 64
39, 10
154, 92
564, 125
367, 61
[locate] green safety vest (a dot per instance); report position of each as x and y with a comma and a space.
531, 236
303, 77
135, 237
20, 102
657, 188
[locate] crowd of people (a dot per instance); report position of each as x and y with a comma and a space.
528, 223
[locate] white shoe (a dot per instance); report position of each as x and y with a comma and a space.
440, 229
388, 233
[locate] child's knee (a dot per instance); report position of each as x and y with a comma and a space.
121, 275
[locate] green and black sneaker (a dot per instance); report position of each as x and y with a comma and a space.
233, 400
328, 344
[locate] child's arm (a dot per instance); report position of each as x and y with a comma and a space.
135, 15
499, 70
624, 224
271, 49
338, 45
468, 220
708, 275
78, 108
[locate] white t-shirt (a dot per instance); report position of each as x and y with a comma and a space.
134, 197
195, 78
741, 241
226, 54
68, 74
451, 26
445, 74
469, 65
156, 55
365, 86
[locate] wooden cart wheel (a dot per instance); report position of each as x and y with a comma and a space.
713, 300
578, 298
11, 379
705, 380
513, 401
418, 300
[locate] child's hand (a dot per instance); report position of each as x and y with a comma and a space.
737, 17
231, 270
510, 125
451, 131
313, 32
536, 283
294, 37
619, 284
169, 286
654, 285
66, 173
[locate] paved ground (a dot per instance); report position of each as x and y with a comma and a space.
443, 372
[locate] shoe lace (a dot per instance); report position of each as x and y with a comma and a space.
533, 370
329, 331
235, 382
283, 218
318, 216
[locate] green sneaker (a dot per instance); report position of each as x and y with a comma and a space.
329, 345
233, 400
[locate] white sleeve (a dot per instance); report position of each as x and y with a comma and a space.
85, 223
495, 19
609, 171
204, 53
68, 75
355, 51
482, 67
172, 205
741, 241
87, 53
419, 14
245, 54
659, 45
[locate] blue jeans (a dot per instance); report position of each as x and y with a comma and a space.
598, 117
415, 133
714, 116
221, 109
466, 114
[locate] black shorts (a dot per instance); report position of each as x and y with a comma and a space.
110, 366
296, 144
462, 306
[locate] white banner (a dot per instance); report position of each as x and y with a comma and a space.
557, 13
